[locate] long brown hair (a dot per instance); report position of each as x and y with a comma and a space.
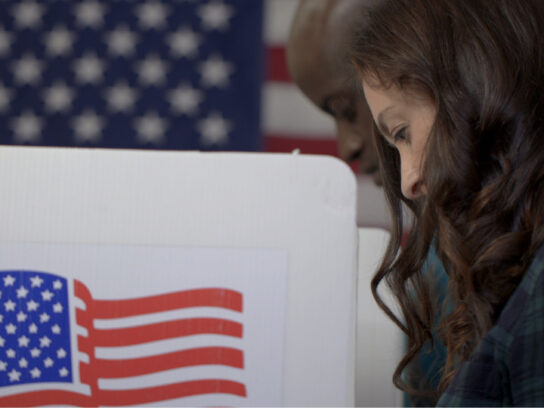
482, 63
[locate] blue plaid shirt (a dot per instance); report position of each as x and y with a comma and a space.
507, 368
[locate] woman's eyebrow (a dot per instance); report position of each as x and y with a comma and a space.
382, 119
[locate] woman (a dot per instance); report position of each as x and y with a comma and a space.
456, 91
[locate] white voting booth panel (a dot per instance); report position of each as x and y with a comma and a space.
270, 239
380, 343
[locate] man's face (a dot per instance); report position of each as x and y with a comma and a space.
317, 62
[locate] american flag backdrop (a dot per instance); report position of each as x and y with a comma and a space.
35, 343
185, 74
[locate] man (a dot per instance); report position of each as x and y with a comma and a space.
317, 61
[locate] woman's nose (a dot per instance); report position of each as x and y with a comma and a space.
412, 183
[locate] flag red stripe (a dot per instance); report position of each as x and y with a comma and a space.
49, 397
171, 391
127, 397
139, 366
208, 297
159, 331
307, 145
276, 62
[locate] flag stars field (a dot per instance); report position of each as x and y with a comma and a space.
59, 41
9, 280
152, 15
22, 292
36, 281
216, 15
90, 13
5, 41
28, 14
98, 67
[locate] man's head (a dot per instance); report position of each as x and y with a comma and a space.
317, 60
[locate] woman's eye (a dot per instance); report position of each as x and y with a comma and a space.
400, 135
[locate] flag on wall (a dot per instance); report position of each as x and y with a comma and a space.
186, 74
164, 74
36, 336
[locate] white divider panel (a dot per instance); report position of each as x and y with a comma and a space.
304, 205
380, 342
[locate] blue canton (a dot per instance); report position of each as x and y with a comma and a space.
160, 74
34, 328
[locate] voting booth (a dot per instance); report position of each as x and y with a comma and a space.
187, 278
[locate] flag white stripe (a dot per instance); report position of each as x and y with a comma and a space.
277, 20
168, 346
286, 110
193, 312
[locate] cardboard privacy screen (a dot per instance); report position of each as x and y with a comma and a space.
176, 278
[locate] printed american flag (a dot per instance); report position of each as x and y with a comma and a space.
186, 74
35, 343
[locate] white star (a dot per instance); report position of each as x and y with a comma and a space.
35, 372
11, 328
58, 97
27, 70
90, 13
33, 329
55, 329
48, 362
2, 342
45, 341
58, 41
57, 308
150, 128
89, 69
10, 353
47, 295
44, 317
23, 341
214, 130
215, 15
9, 280
185, 99
152, 70
27, 127
3, 365
184, 42
14, 375
5, 42
121, 41
23, 363
22, 292
152, 14
21, 316
10, 306
63, 372
215, 71
27, 14
35, 352
88, 127
121, 97
57, 284
5, 98
1, 318
61, 353
36, 281
32, 306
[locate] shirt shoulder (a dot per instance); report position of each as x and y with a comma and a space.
507, 368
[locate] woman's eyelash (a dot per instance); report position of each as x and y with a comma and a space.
400, 135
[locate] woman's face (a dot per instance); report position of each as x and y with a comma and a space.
405, 121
